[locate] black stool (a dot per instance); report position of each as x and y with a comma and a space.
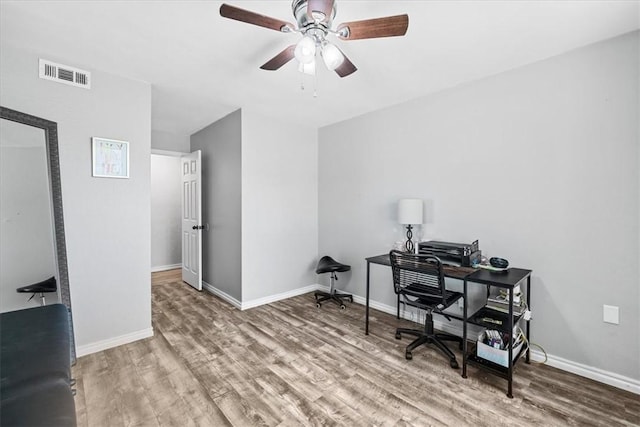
43, 287
330, 265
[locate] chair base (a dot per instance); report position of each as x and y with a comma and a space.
332, 296
436, 339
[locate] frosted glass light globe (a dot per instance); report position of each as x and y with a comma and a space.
332, 56
305, 50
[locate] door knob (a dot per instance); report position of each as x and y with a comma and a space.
198, 227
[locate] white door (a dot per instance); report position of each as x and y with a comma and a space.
192, 220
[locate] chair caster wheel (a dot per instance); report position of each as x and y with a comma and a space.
398, 336
318, 305
342, 307
408, 355
454, 364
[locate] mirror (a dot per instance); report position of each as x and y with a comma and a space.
32, 244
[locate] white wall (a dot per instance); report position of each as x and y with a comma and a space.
107, 221
220, 143
540, 164
166, 194
279, 206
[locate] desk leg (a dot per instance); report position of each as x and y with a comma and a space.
366, 310
510, 352
528, 321
464, 330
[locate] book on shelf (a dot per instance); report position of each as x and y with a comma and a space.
503, 297
518, 309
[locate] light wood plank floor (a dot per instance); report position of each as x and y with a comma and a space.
290, 364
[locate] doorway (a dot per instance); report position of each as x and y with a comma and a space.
166, 188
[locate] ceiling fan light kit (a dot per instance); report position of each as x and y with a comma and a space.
331, 56
305, 50
314, 20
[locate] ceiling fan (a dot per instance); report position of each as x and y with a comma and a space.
314, 20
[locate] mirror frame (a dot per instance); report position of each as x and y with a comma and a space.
51, 136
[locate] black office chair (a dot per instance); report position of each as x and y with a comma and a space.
419, 281
48, 285
330, 265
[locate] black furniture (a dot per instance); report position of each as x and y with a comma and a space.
507, 280
48, 285
419, 281
330, 265
35, 368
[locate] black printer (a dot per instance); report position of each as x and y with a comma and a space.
459, 254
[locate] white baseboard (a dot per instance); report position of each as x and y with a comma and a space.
277, 297
596, 374
225, 296
95, 347
245, 305
165, 267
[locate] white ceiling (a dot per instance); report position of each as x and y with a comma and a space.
202, 66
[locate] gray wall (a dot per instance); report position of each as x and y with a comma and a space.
279, 206
260, 199
221, 143
166, 195
539, 163
169, 141
107, 221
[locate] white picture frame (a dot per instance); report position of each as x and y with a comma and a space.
110, 158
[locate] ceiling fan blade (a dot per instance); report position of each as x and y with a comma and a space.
232, 12
280, 59
324, 7
346, 68
389, 26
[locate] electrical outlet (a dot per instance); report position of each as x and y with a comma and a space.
611, 314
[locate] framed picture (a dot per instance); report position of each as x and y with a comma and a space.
110, 158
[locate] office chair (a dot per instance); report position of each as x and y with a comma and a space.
419, 281
330, 265
48, 285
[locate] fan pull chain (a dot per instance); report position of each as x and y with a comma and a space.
315, 85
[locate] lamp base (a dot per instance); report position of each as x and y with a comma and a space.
409, 246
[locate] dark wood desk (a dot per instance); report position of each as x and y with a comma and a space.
508, 280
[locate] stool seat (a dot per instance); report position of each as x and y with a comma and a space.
48, 285
328, 265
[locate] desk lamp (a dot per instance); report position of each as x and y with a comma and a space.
409, 214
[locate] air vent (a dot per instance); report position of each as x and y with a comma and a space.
64, 74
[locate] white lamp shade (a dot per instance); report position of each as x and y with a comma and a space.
305, 50
332, 56
410, 211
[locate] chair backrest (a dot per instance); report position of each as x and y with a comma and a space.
417, 275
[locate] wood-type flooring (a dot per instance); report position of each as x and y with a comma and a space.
291, 364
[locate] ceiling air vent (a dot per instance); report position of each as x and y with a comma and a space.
64, 74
